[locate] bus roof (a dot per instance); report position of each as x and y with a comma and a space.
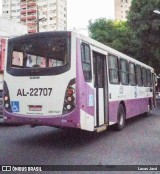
87, 40
110, 50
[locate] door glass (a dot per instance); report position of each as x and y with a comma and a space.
98, 71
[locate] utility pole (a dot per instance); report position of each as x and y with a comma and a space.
39, 19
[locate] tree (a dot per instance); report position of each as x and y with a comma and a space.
115, 34
101, 30
138, 37
145, 28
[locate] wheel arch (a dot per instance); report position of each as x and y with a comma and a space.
124, 106
150, 103
121, 116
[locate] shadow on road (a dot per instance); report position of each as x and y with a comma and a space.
62, 138
70, 138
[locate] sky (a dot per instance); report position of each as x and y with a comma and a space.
0, 7
79, 12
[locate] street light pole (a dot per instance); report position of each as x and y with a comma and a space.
37, 19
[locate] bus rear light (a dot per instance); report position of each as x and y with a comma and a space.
70, 91
6, 98
6, 105
68, 107
69, 100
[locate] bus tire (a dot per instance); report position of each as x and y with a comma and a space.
121, 118
148, 113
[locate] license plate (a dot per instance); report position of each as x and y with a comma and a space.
35, 108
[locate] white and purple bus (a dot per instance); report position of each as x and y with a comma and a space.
158, 88
66, 80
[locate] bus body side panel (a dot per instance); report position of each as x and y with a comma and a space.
132, 107
113, 107
136, 107
135, 100
139, 104
85, 95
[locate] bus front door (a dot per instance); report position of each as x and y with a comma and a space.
100, 85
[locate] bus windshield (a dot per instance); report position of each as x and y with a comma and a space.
39, 53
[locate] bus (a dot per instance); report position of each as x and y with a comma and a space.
158, 88
66, 80
2, 55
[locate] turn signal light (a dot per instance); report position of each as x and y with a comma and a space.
69, 99
6, 98
70, 91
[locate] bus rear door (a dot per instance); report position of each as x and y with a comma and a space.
101, 90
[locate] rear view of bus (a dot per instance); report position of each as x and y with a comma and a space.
39, 86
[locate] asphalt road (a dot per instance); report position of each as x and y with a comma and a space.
137, 144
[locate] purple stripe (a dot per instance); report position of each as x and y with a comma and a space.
68, 120
82, 88
136, 107
133, 107
113, 107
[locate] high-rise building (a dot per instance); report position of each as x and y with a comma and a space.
121, 9
38, 15
11, 9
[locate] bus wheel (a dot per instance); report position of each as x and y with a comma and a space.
121, 118
148, 113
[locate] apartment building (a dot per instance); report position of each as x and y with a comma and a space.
11, 9
38, 15
121, 9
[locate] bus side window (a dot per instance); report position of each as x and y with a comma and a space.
139, 75
144, 76
149, 78
124, 74
86, 61
132, 74
113, 69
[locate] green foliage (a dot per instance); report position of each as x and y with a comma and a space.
111, 33
145, 26
138, 37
